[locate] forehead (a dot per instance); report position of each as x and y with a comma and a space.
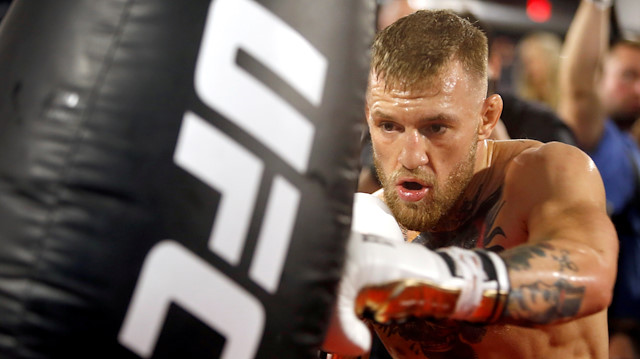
625, 55
451, 81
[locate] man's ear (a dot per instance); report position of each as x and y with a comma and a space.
491, 111
366, 111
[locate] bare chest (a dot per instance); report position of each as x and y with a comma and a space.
580, 339
494, 224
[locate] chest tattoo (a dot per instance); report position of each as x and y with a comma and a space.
477, 231
436, 339
448, 338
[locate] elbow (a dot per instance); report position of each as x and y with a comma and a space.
596, 298
601, 294
602, 300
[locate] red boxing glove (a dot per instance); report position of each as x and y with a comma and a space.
347, 334
388, 279
455, 283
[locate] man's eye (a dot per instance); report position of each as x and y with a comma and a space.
386, 126
437, 128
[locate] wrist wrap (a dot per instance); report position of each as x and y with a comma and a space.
486, 284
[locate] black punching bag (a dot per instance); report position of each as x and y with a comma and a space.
176, 176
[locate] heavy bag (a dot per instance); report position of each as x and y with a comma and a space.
176, 177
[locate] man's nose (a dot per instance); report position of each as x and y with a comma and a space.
414, 151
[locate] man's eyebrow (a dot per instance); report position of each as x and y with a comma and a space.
382, 115
438, 117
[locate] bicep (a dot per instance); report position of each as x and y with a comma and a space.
569, 205
571, 248
561, 194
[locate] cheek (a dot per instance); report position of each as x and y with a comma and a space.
443, 165
386, 161
615, 84
382, 155
460, 141
451, 158
383, 144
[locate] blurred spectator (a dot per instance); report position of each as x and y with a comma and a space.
624, 342
536, 76
502, 56
635, 131
600, 99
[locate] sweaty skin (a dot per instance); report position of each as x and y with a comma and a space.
540, 206
498, 222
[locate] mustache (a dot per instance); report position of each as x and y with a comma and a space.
420, 174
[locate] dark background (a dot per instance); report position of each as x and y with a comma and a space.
506, 15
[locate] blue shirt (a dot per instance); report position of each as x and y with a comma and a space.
612, 159
613, 156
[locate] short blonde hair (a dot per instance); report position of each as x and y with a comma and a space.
416, 48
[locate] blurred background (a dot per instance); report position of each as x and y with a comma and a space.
512, 16
509, 22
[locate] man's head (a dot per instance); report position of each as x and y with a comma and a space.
621, 82
418, 46
427, 111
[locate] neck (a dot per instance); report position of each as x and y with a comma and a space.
473, 194
484, 155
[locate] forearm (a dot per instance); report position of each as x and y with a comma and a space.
555, 281
584, 47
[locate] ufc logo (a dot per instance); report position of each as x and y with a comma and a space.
173, 274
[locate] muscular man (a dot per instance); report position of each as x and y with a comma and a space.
520, 118
600, 87
515, 256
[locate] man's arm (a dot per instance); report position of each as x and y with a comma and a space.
566, 269
584, 47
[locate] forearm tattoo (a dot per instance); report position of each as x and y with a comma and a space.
543, 301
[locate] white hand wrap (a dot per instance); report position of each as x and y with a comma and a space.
395, 280
347, 334
484, 275
468, 267
390, 279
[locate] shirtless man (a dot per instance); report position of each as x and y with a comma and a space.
515, 256
600, 85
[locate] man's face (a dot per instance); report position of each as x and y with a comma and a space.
621, 82
425, 144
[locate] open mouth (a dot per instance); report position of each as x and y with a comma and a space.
412, 186
411, 190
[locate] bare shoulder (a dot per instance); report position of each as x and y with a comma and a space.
524, 159
554, 171
555, 161
554, 153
